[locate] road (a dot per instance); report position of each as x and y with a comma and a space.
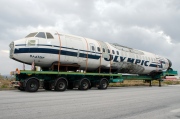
113, 103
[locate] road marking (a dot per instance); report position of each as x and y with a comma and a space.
176, 110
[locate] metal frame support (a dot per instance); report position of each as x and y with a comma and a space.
150, 84
159, 83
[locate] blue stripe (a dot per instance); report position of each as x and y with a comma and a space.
54, 51
58, 47
20, 45
153, 65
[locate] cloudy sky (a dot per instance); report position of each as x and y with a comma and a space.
149, 25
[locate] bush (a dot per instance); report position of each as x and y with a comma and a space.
4, 86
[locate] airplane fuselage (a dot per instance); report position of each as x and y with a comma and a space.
46, 48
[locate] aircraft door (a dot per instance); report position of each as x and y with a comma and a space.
105, 54
158, 62
104, 50
92, 56
92, 49
31, 44
74, 50
80, 55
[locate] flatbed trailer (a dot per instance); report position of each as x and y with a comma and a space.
30, 81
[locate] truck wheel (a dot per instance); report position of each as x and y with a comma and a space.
103, 84
84, 84
32, 85
61, 85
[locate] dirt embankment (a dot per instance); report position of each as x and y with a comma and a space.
5, 83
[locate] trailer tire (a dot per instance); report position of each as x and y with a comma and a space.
61, 85
103, 84
84, 84
32, 85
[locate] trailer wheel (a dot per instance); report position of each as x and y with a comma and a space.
103, 84
61, 85
84, 84
32, 85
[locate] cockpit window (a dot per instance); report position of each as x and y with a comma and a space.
31, 35
41, 35
49, 36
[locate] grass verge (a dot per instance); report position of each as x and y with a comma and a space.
5, 84
127, 83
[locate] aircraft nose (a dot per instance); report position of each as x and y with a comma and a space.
11, 45
170, 63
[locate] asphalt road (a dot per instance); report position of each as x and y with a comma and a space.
113, 103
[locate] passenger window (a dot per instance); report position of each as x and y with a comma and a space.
103, 50
92, 48
117, 52
113, 51
41, 35
98, 49
49, 36
108, 51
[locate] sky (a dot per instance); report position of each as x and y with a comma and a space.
149, 25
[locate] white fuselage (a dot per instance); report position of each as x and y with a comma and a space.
88, 53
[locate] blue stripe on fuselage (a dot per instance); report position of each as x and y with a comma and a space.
61, 47
55, 51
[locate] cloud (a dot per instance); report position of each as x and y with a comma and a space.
5, 51
145, 25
